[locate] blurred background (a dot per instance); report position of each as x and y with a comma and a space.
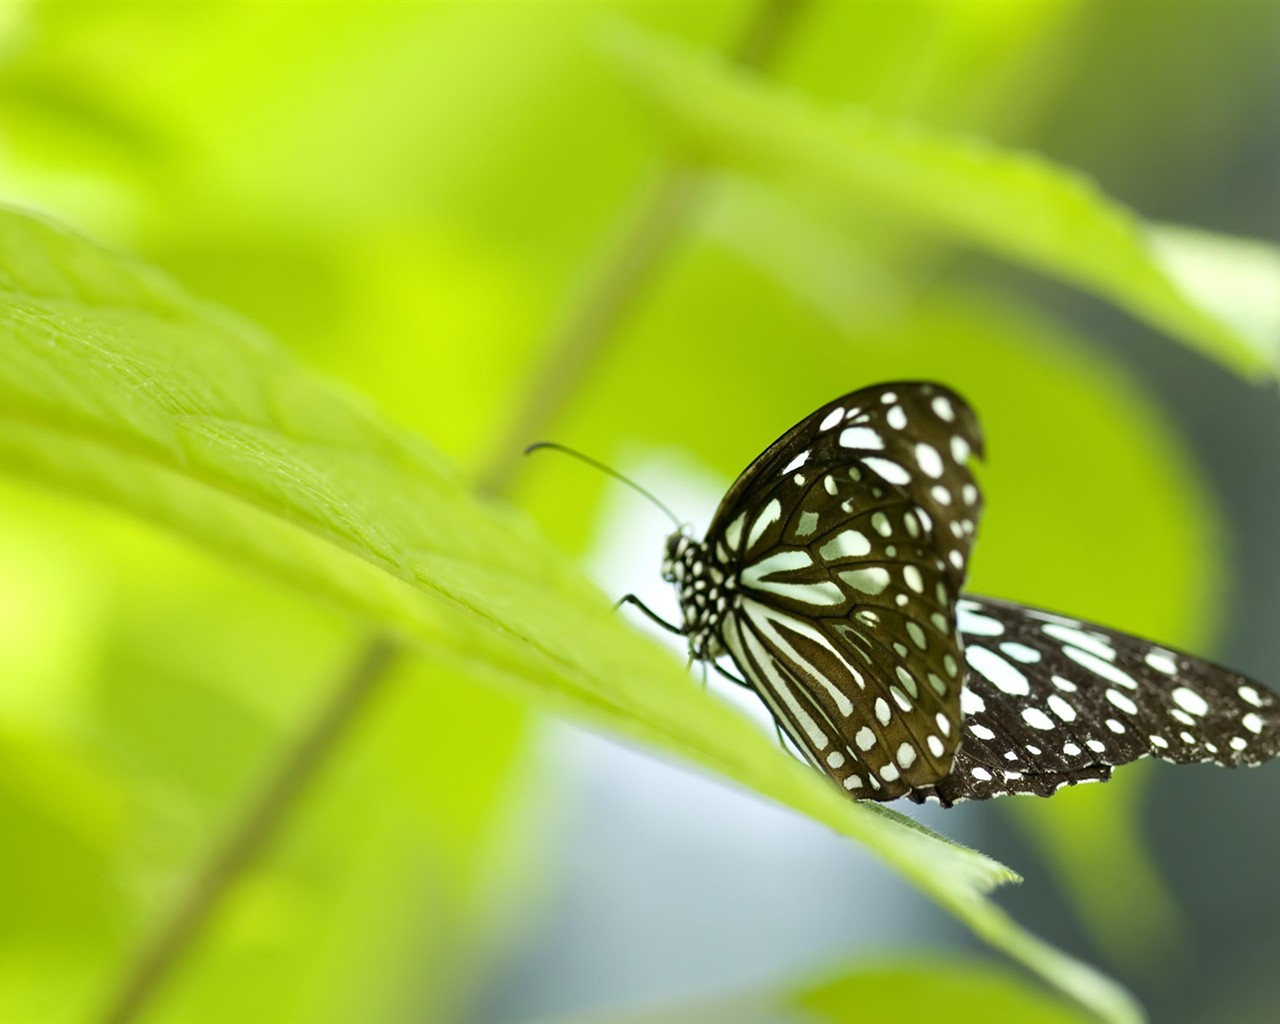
418, 199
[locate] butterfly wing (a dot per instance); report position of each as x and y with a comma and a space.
916, 436
847, 541
1052, 701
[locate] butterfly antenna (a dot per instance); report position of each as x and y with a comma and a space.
609, 470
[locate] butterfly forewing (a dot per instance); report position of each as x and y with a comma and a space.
848, 542
1051, 701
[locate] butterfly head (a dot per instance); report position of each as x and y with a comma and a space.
701, 590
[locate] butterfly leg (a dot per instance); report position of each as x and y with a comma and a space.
704, 672
654, 616
729, 675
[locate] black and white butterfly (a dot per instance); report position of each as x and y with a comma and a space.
832, 574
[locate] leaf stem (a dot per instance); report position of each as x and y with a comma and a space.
263, 819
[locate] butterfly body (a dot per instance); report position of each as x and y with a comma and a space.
831, 575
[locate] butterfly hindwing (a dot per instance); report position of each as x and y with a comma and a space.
1053, 701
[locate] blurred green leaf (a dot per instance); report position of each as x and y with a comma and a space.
921, 992
1014, 204
123, 389
919, 988
1235, 279
1092, 840
386, 891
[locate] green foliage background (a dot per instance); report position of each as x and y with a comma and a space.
417, 202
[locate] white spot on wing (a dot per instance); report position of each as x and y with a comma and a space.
869, 581
890, 471
1003, 676
1061, 708
797, 462
779, 561
1037, 719
1190, 701
913, 578
845, 544
767, 517
733, 532
971, 703
929, 459
1077, 638
1020, 652
1122, 701
969, 621
861, 437
832, 418
1099, 667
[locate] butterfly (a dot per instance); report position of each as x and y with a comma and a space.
832, 577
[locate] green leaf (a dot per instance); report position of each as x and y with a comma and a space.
1015, 204
918, 988
906, 994
120, 388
